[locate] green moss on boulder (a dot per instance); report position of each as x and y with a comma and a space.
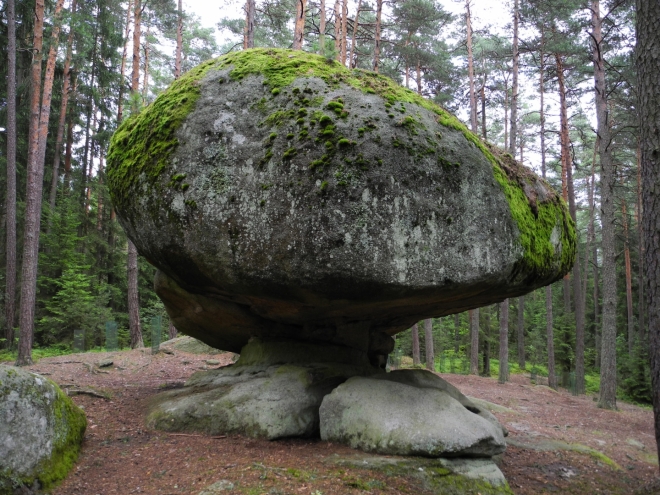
40, 432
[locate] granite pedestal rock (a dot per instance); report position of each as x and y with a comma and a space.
287, 200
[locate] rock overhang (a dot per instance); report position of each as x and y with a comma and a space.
294, 192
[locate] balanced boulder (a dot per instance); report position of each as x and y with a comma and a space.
41, 430
284, 196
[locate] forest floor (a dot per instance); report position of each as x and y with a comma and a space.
558, 443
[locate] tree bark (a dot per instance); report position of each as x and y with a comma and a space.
377, 36
457, 334
640, 276
415, 344
504, 342
486, 369
521, 332
648, 77
66, 85
607, 398
127, 31
179, 37
132, 262
552, 379
356, 23
337, 30
483, 112
299, 29
473, 96
133, 302
514, 92
171, 331
474, 341
344, 31
428, 344
322, 28
10, 270
628, 271
577, 279
39, 116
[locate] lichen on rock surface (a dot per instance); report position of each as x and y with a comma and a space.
41, 430
284, 196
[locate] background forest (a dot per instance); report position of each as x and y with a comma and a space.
543, 86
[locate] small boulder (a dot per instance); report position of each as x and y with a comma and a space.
260, 395
375, 414
40, 431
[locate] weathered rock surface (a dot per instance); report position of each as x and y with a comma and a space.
273, 391
440, 476
283, 196
189, 344
409, 412
40, 431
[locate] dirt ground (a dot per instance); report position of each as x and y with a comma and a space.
558, 443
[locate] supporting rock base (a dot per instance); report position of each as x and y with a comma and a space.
293, 389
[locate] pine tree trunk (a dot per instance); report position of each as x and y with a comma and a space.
552, 378
514, 93
428, 344
90, 107
377, 36
577, 280
628, 267
171, 331
69, 151
607, 398
486, 370
521, 332
133, 302
137, 35
322, 28
344, 31
132, 263
10, 269
483, 112
504, 342
337, 30
474, 341
356, 23
39, 116
179, 37
648, 69
457, 332
299, 29
66, 85
473, 96
415, 344
640, 276
145, 74
122, 71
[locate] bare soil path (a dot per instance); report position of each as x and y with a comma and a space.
558, 443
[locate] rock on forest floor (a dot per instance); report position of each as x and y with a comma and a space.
557, 443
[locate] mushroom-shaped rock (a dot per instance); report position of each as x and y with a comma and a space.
284, 196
